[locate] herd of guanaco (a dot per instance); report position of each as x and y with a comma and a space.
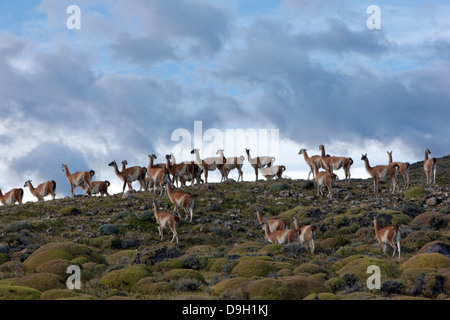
164, 176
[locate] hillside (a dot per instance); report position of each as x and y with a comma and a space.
222, 253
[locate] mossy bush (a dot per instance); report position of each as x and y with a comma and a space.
276, 187
253, 267
217, 265
429, 285
335, 242
57, 266
177, 274
336, 284
12, 269
309, 268
17, 226
68, 211
59, 294
61, 250
153, 288
125, 278
283, 288
358, 265
272, 248
346, 251
427, 260
108, 229
415, 192
121, 257
401, 219
42, 281
245, 247
3, 258
14, 292
322, 296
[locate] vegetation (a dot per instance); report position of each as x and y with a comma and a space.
222, 253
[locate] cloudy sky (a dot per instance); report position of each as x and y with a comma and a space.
138, 72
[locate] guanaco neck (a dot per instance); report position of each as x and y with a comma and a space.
390, 157
116, 169
258, 214
376, 225
366, 163
66, 171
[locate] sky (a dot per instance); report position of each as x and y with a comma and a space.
140, 77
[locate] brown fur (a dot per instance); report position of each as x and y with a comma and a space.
403, 168
388, 235
381, 171
42, 190
183, 199
12, 196
429, 166
78, 179
163, 218
331, 163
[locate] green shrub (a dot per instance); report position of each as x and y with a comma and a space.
61, 250
309, 268
125, 278
42, 281
108, 229
16, 226
177, 274
253, 267
121, 256
346, 251
416, 193
427, 260
336, 284
276, 187
12, 292
57, 266
68, 211
58, 294
358, 265
146, 216
153, 288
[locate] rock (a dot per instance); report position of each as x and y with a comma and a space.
206, 187
432, 201
436, 247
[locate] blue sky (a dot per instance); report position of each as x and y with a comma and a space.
138, 70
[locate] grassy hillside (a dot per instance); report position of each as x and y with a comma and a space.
222, 253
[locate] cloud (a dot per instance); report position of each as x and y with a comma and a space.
44, 162
138, 70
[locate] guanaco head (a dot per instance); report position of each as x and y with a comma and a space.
247, 150
125, 162
112, 163
194, 150
152, 156
364, 157
64, 167
301, 151
427, 151
321, 147
219, 151
27, 183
